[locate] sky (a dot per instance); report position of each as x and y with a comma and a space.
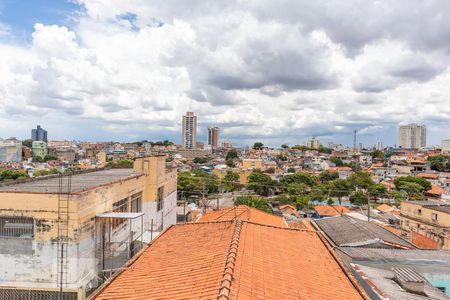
271, 71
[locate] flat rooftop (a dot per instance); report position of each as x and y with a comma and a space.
80, 182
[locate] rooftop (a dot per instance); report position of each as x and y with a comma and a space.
80, 182
348, 231
245, 213
232, 260
331, 210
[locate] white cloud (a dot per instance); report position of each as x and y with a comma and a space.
272, 71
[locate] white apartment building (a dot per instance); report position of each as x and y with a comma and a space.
412, 136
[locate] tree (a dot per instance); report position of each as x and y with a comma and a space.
399, 183
398, 196
50, 157
377, 154
12, 174
28, 143
45, 172
230, 163
260, 183
282, 157
360, 180
337, 161
232, 154
296, 190
439, 163
318, 193
359, 198
255, 202
120, 164
197, 183
378, 190
230, 181
326, 176
285, 146
291, 170
202, 160
339, 188
300, 177
258, 145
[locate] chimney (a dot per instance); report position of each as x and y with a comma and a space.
409, 280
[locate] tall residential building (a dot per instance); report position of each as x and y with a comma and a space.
379, 146
213, 137
445, 144
10, 150
189, 134
39, 134
313, 143
39, 148
412, 136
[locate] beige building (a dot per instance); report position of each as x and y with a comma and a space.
189, 134
39, 148
445, 144
430, 218
412, 136
252, 163
73, 235
213, 137
313, 143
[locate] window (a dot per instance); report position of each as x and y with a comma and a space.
434, 217
419, 211
119, 206
17, 227
160, 199
136, 202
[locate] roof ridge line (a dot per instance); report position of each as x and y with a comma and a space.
278, 227
227, 277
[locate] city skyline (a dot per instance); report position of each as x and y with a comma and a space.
278, 77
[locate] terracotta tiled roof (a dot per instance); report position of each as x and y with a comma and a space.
435, 190
384, 208
245, 213
428, 175
232, 260
331, 210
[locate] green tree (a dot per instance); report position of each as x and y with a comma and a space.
398, 196
339, 188
50, 157
296, 190
291, 170
377, 154
300, 177
378, 190
326, 176
255, 202
260, 183
197, 183
232, 154
439, 163
230, 163
202, 160
360, 180
120, 164
337, 161
359, 198
230, 181
285, 146
28, 143
12, 174
45, 172
258, 145
399, 182
318, 193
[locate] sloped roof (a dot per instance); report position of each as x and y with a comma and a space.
384, 208
232, 260
435, 190
348, 231
331, 210
245, 213
428, 175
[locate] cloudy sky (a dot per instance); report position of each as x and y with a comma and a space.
271, 71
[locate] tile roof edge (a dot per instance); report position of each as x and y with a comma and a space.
277, 227
227, 277
341, 265
411, 246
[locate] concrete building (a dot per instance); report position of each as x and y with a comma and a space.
10, 150
213, 137
226, 144
193, 153
189, 133
39, 134
427, 218
412, 136
98, 224
379, 146
39, 148
445, 144
313, 143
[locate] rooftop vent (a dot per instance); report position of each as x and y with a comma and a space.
409, 280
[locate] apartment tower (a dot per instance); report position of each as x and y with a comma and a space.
189, 134
412, 136
213, 137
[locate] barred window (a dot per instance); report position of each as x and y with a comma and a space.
16, 227
119, 206
136, 202
160, 199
